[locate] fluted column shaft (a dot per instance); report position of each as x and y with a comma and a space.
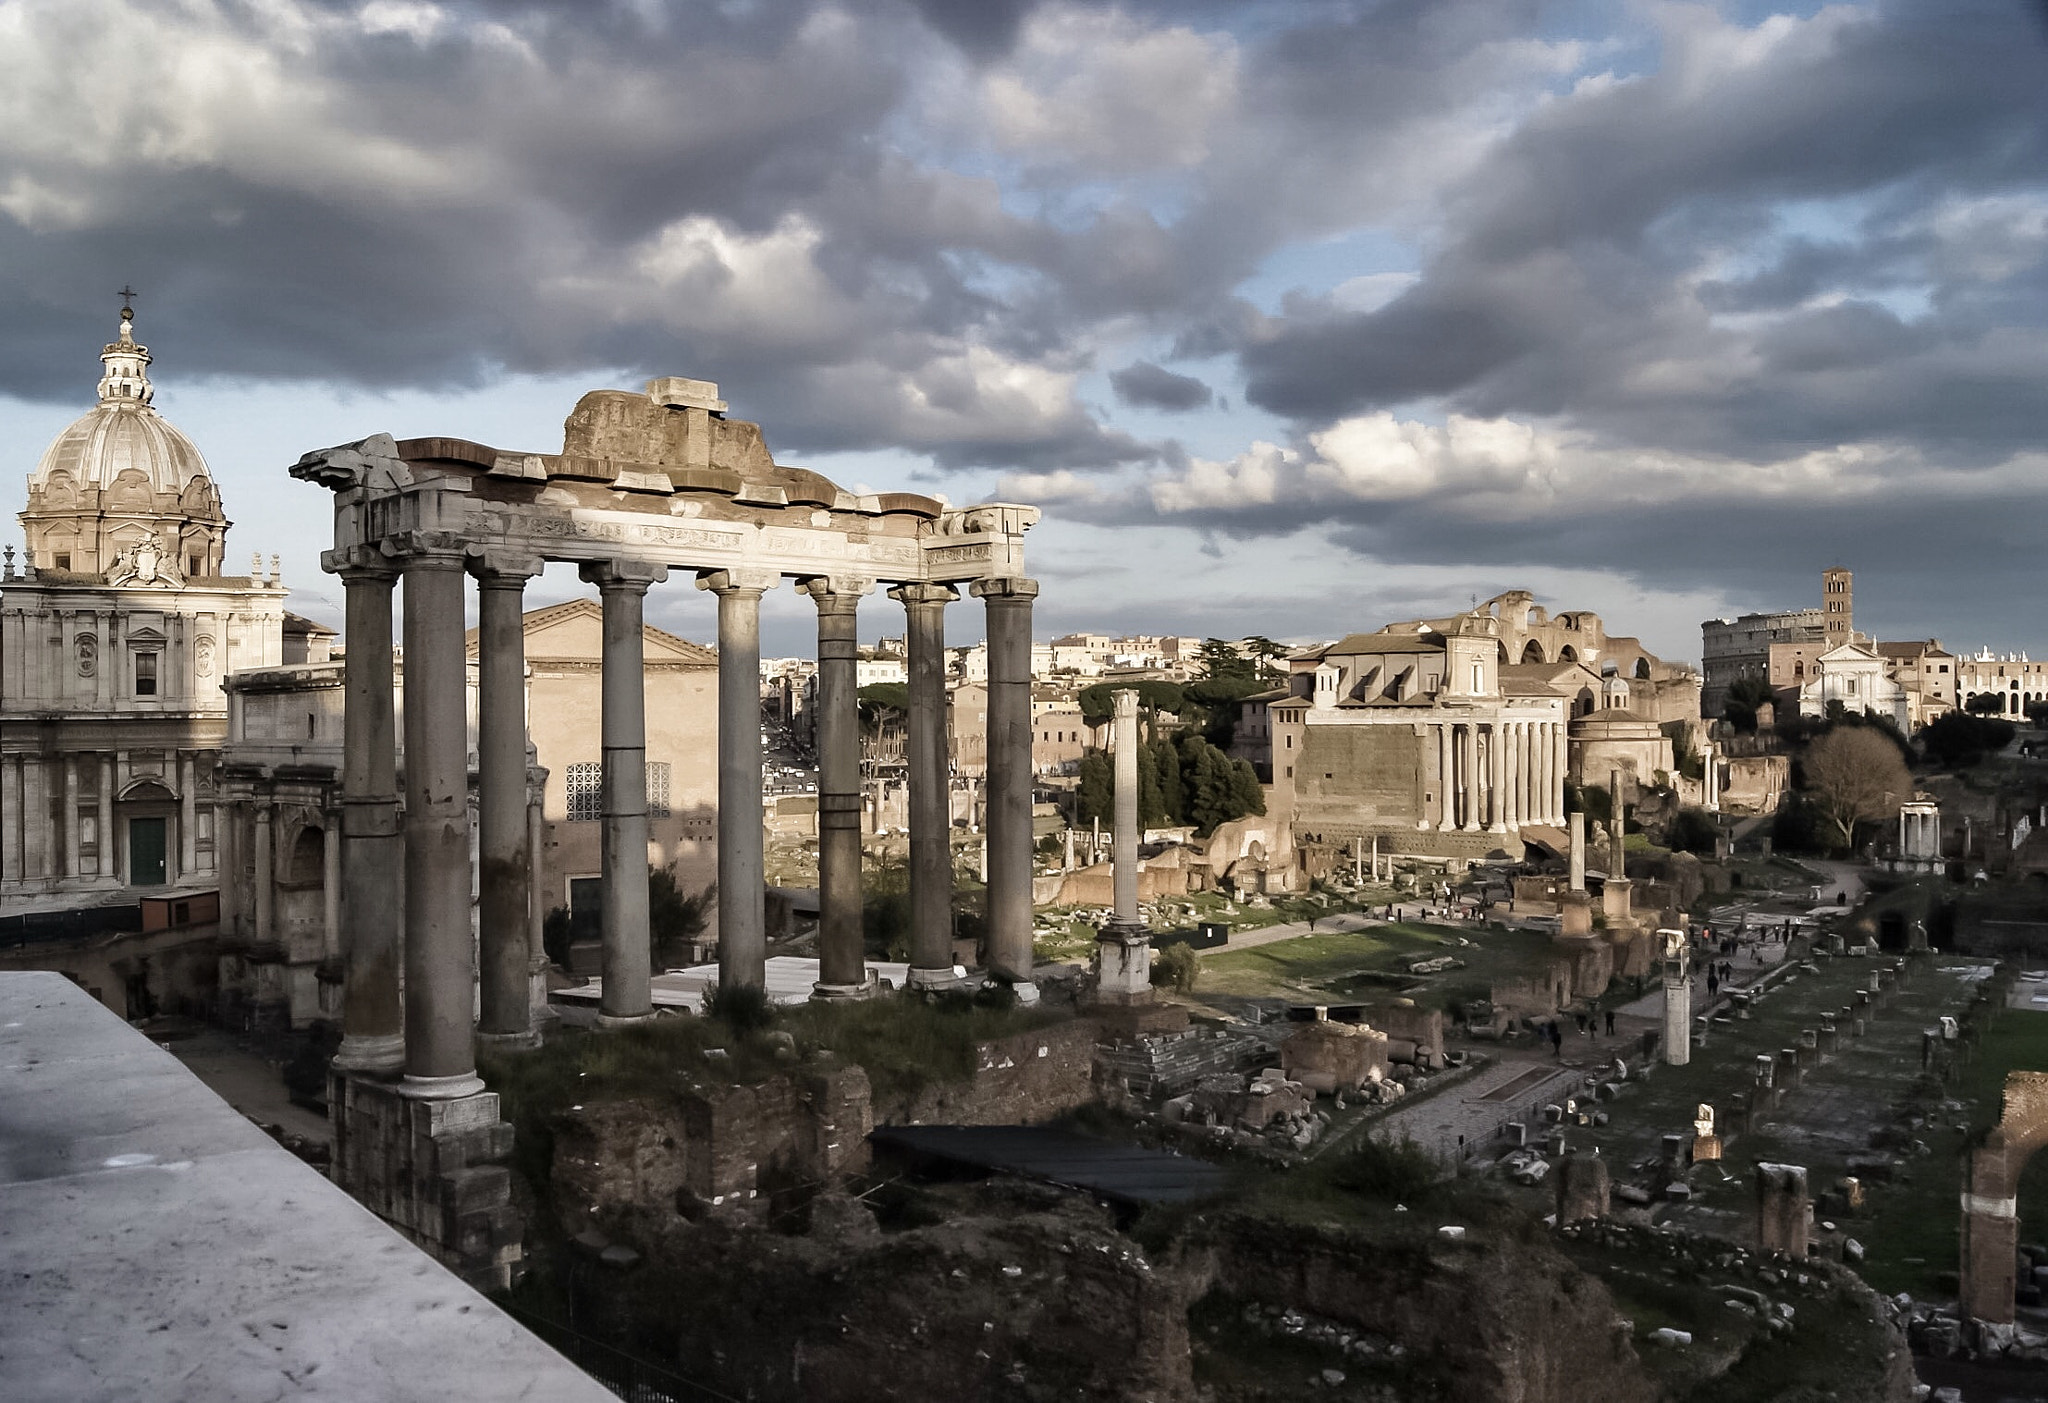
108, 848
742, 921
440, 969
842, 964
373, 1024
1469, 762
1008, 602
931, 853
504, 866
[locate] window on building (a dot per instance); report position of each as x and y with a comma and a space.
145, 674
191, 565
657, 789
586, 790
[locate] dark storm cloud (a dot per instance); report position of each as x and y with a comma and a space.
1575, 250
1150, 386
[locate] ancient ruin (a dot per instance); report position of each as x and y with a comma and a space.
644, 484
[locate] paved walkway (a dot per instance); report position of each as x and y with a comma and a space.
1521, 1083
252, 1084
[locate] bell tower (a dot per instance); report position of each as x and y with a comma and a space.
1838, 615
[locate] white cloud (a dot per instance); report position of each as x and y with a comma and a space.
1102, 91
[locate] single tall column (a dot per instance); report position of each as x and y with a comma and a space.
931, 853
264, 831
1905, 850
504, 865
742, 920
536, 913
1447, 781
1123, 951
842, 966
1617, 810
10, 818
1561, 763
1469, 763
35, 808
71, 863
1677, 1000
627, 956
1578, 851
1007, 600
1497, 778
1126, 835
440, 971
188, 820
330, 886
1512, 733
372, 1021
230, 857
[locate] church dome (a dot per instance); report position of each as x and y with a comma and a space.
121, 484
123, 435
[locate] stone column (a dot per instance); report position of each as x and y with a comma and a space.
1512, 733
842, 967
1468, 764
626, 959
931, 854
263, 835
188, 819
330, 886
1007, 601
71, 862
1578, 857
372, 1021
1561, 762
10, 818
35, 808
1496, 777
1123, 952
1677, 1005
1126, 833
1447, 767
1617, 813
536, 911
742, 921
504, 868
440, 971
227, 862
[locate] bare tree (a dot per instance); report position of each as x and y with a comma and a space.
1854, 774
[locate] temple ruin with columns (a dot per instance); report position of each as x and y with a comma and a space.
645, 484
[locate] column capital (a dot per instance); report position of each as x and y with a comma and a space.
635, 575
826, 589
909, 594
360, 562
1004, 587
741, 581
500, 567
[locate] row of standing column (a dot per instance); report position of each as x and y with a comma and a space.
429, 1033
1496, 776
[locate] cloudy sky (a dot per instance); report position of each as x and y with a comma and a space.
1293, 316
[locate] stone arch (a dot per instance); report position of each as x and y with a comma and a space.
1643, 668
1584, 704
307, 866
1532, 652
1991, 1222
1567, 654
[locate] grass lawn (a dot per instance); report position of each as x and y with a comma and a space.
1326, 968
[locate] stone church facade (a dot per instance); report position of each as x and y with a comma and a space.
116, 634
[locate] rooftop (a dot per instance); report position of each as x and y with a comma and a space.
158, 1245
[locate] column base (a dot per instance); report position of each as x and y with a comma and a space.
382, 1052
510, 1042
440, 1088
1123, 964
1026, 992
934, 981
624, 1020
823, 993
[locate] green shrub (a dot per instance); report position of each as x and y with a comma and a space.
1178, 966
744, 1008
1398, 1170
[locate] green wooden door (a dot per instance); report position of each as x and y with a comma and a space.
146, 852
